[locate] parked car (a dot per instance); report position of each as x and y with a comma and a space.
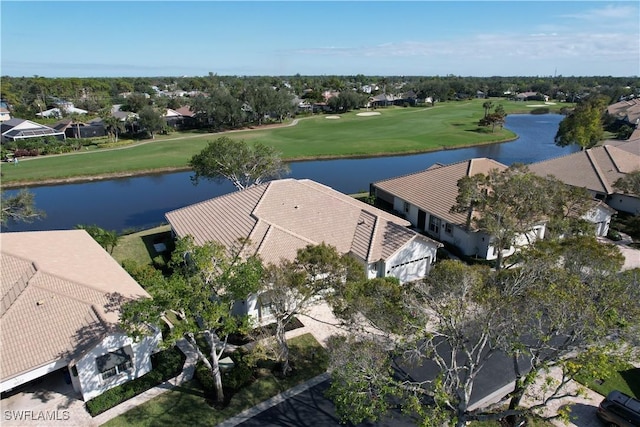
619, 409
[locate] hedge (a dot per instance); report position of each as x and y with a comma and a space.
166, 364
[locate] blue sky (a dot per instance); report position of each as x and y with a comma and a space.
176, 38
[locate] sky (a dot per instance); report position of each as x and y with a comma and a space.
392, 38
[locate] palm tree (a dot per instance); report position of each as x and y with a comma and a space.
487, 106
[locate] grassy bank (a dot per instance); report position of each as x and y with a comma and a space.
395, 131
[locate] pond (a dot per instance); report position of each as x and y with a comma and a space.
141, 202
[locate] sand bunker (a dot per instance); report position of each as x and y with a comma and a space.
369, 113
549, 103
332, 117
536, 105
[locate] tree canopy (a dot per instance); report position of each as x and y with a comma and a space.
546, 321
206, 282
238, 161
19, 208
584, 125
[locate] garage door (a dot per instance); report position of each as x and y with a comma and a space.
410, 270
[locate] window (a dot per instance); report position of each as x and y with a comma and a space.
434, 224
265, 307
115, 363
448, 228
406, 207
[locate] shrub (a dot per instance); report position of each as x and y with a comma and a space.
239, 376
166, 364
205, 377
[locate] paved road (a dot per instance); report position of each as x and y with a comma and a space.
312, 409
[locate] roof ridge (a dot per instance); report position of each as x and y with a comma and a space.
19, 285
262, 197
598, 171
607, 149
264, 237
428, 169
374, 233
222, 196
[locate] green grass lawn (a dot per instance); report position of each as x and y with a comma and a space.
626, 378
139, 246
396, 130
187, 405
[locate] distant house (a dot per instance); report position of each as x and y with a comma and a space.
425, 199
16, 129
626, 112
61, 112
4, 114
531, 96
282, 216
382, 100
597, 169
407, 98
73, 129
61, 296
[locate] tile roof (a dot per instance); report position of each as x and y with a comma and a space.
435, 189
282, 216
60, 294
596, 169
626, 110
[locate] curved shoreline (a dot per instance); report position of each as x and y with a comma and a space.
128, 174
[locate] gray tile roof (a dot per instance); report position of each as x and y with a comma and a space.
282, 216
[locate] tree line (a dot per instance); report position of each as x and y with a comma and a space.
29, 95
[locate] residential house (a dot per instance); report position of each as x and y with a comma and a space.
15, 129
425, 199
626, 111
597, 169
381, 100
60, 112
282, 216
4, 114
531, 96
61, 296
74, 129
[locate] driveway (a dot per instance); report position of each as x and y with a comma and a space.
49, 402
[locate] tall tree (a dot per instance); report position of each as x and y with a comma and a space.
19, 208
630, 183
207, 281
112, 124
151, 121
508, 204
541, 315
292, 287
583, 126
238, 161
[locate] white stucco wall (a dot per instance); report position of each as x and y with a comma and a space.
89, 381
625, 203
601, 218
412, 261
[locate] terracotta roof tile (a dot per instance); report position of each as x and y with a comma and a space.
596, 169
61, 293
435, 189
283, 216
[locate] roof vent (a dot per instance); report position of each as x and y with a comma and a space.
41, 302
